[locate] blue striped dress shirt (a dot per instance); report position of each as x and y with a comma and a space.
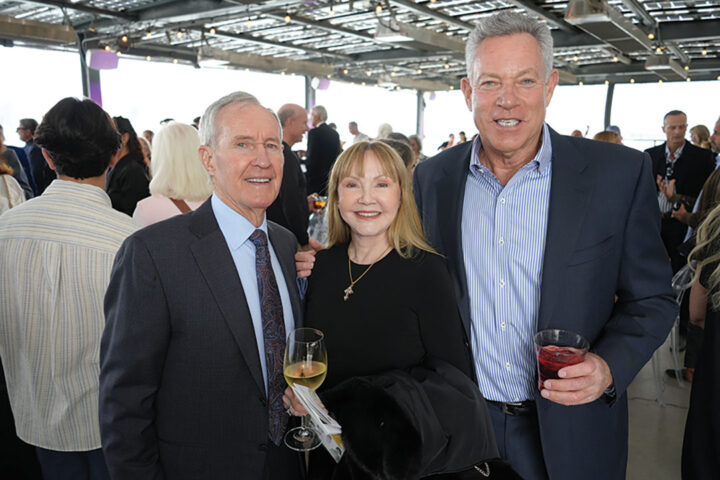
503, 241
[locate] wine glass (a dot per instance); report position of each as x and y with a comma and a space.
305, 364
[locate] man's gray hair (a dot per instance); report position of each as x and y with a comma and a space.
207, 121
509, 23
320, 111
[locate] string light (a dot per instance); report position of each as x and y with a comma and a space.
687, 79
287, 18
363, 83
615, 59
452, 87
124, 39
345, 71
660, 81
212, 31
107, 48
704, 52
148, 58
575, 58
148, 34
392, 74
651, 36
607, 82
378, 8
419, 71
632, 80
581, 83
687, 67
447, 66
175, 60
179, 34
249, 21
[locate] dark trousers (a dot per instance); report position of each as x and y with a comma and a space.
88, 465
518, 440
282, 463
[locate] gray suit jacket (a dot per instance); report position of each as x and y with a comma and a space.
181, 387
603, 239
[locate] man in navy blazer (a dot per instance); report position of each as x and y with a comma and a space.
323, 148
198, 309
544, 231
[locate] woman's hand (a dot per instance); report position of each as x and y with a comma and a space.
292, 404
305, 260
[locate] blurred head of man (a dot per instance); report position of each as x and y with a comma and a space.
319, 115
26, 129
509, 83
242, 152
352, 126
715, 138
293, 119
675, 126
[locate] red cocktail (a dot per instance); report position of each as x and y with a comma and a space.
556, 349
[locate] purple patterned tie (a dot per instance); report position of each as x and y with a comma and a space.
273, 326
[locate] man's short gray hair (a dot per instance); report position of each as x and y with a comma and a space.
509, 23
207, 121
320, 111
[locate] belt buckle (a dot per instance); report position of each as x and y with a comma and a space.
511, 408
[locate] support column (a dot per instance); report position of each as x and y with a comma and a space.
420, 114
608, 104
309, 94
90, 77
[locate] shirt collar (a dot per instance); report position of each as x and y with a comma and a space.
89, 193
678, 152
235, 228
541, 161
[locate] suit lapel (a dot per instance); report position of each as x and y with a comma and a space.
218, 268
570, 189
451, 188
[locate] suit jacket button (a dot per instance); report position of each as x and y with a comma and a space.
263, 402
262, 447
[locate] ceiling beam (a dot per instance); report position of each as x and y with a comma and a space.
689, 31
31, 30
268, 63
433, 14
80, 7
553, 20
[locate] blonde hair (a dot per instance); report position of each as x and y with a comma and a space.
177, 171
405, 233
707, 251
703, 135
608, 136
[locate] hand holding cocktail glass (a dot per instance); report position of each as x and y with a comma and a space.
568, 373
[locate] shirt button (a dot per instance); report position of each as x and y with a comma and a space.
501, 242
516, 399
502, 200
507, 366
502, 283
502, 325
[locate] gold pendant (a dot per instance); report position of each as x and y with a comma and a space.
348, 291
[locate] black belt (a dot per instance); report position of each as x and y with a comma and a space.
514, 408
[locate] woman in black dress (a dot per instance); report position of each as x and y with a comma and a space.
399, 376
128, 180
701, 445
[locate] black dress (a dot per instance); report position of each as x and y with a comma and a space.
401, 315
401, 311
701, 445
127, 184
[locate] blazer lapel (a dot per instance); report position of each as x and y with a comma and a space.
570, 189
218, 268
451, 188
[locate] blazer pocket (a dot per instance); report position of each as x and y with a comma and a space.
182, 461
593, 252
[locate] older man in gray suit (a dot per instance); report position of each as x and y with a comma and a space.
198, 309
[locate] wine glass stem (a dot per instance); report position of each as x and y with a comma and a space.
304, 433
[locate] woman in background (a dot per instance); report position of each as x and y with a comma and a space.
127, 181
179, 180
11, 194
700, 136
701, 449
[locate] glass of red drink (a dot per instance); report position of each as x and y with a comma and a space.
556, 349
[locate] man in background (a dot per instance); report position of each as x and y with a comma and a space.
358, 136
42, 174
323, 147
56, 253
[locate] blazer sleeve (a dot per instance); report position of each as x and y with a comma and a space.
132, 353
646, 308
294, 201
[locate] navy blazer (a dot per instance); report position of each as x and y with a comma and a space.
182, 394
603, 239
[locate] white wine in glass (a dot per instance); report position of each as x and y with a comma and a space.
305, 364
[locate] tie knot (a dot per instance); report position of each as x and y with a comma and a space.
259, 239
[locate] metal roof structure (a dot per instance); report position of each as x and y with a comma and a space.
417, 44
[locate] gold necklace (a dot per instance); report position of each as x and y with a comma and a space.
349, 290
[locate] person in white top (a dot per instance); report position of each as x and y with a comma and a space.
179, 180
356, 133
56, 253
11, 193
